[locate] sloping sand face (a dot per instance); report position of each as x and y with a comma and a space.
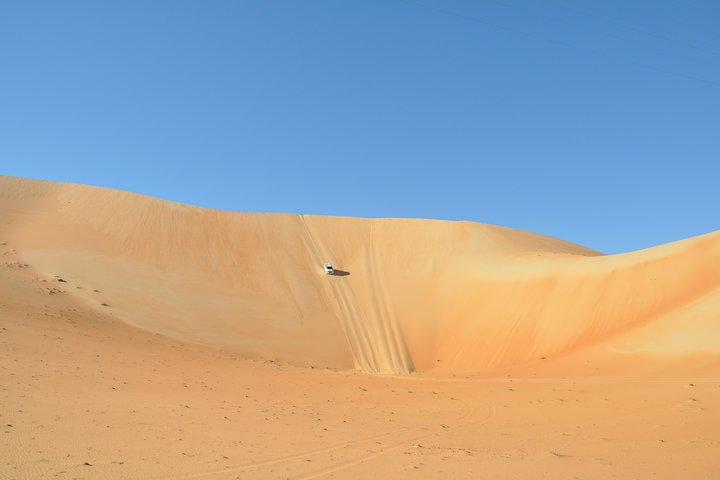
409, 295
83, 395
141, 338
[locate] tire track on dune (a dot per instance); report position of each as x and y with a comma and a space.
374, 336
366, 359
373, 333
392, 340
355, 330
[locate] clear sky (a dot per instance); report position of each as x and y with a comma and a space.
594, 121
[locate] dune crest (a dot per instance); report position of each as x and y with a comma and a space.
411, 295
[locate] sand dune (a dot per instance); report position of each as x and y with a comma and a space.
413, 295
141, 338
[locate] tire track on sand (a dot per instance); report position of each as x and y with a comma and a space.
371, 329
341, 466
391, 340
360, 340
402, 437
277, 460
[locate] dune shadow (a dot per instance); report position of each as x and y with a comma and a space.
340, 273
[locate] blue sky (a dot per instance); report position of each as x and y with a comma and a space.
593, 121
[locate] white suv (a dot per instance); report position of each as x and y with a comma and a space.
328, 268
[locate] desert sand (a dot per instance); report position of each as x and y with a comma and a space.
143, 338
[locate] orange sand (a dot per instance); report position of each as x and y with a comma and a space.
152, 339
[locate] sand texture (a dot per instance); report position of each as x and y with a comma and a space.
142, 338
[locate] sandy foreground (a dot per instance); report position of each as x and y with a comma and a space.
146, 339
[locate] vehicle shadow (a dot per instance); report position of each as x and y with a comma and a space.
340, 273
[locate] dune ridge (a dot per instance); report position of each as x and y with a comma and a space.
415, 295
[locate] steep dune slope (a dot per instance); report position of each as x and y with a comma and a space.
412, 294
